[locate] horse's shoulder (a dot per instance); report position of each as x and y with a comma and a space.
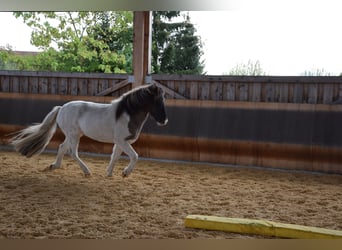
121, 106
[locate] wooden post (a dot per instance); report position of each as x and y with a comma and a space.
141, 46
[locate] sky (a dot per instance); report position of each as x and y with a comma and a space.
285, 39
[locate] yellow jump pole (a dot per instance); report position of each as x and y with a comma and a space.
260, 227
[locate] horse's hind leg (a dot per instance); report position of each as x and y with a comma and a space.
74, 154
60, 154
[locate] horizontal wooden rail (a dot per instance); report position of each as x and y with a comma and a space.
249, 79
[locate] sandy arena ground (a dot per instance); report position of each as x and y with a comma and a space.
154, 200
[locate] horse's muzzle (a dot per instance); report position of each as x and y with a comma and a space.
164, 123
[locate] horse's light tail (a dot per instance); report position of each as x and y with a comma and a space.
34, 139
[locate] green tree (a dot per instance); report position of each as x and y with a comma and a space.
118, 39
6, 58
175, 47
9, 60
72, 41
251, 68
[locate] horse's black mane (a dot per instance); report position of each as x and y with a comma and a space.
134, 102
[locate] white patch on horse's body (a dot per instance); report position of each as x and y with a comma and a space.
119, 122
90, 119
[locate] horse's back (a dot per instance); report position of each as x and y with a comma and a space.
78, 109
94, 120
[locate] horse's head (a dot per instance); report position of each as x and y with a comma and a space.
157, 109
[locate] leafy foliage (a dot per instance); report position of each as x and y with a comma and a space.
82, 41
316, 72
103, 42
175, 48
251, 68
9, 60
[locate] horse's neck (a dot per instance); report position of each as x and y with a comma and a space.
135, 124
134, 105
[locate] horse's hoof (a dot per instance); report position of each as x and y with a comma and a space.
87, 175
49, 168
124, 174
109, 175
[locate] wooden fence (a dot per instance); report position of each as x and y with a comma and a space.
312, 90
55, 83
296, 89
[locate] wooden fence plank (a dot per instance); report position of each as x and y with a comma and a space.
204, 90
23, 82
53, 86
43, 85
82, 87
328, 93
216, 91
170, 85
4, 87
193, 90
182, 89
92, 87
242, 89
284, 93
103, 84
320, 93
14, 85
277, 90
63, 86
298, 93
33, 85
73, 86
231, 92
335, 93
269, 92
256, 92
312, 93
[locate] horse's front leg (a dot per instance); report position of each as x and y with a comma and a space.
133, 157
117, 151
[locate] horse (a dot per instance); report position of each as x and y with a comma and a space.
119, 122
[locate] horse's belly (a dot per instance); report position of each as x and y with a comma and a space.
100, 138
98, 133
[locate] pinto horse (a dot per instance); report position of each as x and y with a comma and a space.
119, 122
